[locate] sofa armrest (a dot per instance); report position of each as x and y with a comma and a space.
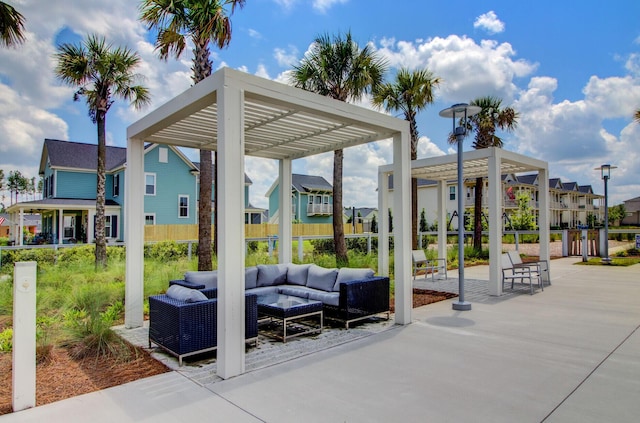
366, 296
186, 284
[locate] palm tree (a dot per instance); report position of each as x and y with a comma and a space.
490, 118
636, 116
337, 67
410, 93
101, 72
11, 25
202, 22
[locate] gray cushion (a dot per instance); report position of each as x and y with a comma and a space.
297, 273
188, 295
207, 278
321, 278
263, 290
330, 298
250, 277
295, 290
346, 274
272, 274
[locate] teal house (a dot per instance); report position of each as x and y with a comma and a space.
68, 204
311, 199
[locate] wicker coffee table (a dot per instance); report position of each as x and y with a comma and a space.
295, 314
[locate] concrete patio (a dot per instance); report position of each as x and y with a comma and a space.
568, 354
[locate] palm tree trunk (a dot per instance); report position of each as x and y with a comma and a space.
413, 127
342, 259
204, 212
101, 240
477, 216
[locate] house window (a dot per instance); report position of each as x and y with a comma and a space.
150, 183
116, 185
150, 219
45, 186
183, 206
163, 155
51, 193
111, 226
452, 193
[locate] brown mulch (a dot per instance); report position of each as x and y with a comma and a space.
62, 377
423, 297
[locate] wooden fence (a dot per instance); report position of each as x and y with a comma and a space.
154, 233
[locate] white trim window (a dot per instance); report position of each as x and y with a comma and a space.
116, 185
452, 193
149, 184
183, 206
149, 218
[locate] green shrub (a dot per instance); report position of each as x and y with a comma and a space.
6, 340
41, 255
4, 241
166, 250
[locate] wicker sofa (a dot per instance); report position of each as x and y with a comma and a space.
347, 294
184, 326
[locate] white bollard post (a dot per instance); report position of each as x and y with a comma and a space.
24, 335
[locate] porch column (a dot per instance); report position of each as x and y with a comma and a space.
284, 222
91, 228
21, 228
383, 223
231, 302
134, 234
60, 225
442, 219
495, 226
402, 227
543, 217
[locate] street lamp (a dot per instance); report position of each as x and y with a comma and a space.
605, 172
464, 111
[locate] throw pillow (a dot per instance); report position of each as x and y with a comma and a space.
187, 295
346, 274
207, 278
297, 273
321, 278
272, 274
250, 277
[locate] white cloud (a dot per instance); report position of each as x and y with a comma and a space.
255, 34
286, 58
468, 69
324, 5
489, 22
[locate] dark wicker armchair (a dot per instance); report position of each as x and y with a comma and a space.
184, 329
360, 299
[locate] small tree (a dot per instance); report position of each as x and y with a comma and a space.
390, 221
374, 224
423, 221
523, 218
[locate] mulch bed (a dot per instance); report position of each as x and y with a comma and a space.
425, 296
62, 377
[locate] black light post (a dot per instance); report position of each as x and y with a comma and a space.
464, 111
605, 172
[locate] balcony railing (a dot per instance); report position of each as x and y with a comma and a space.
314, 209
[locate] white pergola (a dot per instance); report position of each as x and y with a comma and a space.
488, 162
238, 114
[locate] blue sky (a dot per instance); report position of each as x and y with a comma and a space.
571, 70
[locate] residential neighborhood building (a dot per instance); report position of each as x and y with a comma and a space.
632, 209
311, 199
68, 206
570, 204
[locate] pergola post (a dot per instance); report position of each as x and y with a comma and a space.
60, 225
21, 231
383, 223
442, 219
402, 228
231, 302
284, 223
495, 228
134, 234
543, 217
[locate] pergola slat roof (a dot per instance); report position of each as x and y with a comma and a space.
278, 122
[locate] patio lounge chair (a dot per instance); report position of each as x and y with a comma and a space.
519, 274
421, 262
540, 268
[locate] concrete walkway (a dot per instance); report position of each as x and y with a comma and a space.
568, 354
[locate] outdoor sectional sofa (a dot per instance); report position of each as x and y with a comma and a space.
347, 294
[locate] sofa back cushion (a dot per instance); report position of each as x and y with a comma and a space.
321, 278
297, 273
349, 274
272, 274
250, 277
207, 278
187, 295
